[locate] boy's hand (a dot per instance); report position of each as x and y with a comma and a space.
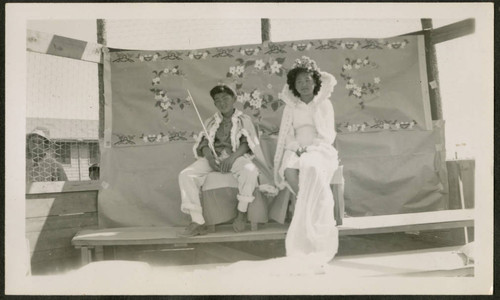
227, 164
213, 163
207, 153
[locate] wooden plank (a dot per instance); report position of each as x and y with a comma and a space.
62, 186
403, 228
63, 46
453, 31
59, 222
273, 231
43, 205
168, 235
53, 239
422, 218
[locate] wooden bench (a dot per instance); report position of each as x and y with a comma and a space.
88, 240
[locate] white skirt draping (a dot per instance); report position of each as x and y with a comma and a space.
313, 228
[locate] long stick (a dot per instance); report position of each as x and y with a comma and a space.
210, 144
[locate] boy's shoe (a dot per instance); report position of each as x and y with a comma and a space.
240, 222
194, 229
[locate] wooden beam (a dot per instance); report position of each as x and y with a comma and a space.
448, 32
453, 31
432, 71
60, 204
44, 187
52, 44
265, 25
101, 39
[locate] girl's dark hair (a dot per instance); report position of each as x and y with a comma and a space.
292, 76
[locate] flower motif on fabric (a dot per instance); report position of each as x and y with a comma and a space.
359, 89
275, 48
180, 135
172, 55
169, 137
250, 51
162, 100
373, 44
148, 57
397, 45
164, 103
223, 52
123, 57
154, 138
325, 45
197, 55
301, 46
255, 100
167, 71
259, 64
125, 139
270, 67
349, 45
376, 125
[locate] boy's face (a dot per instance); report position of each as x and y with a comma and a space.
38, 145
224, 102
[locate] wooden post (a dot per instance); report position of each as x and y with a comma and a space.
86, 254
432, 71
101, 39
265, 25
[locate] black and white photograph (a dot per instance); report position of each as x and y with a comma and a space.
249, 148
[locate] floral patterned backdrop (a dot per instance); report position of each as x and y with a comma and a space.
379, 86
388, 146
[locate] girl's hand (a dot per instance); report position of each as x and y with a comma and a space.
300, 151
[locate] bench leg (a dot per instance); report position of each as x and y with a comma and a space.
254, 226
86, 255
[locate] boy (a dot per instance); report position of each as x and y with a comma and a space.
235, 142
40, 165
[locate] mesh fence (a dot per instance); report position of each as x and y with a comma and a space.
62, 119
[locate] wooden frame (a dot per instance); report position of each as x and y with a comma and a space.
46, 187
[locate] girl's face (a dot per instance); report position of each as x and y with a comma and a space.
304, 84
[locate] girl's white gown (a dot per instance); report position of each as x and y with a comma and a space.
313, 231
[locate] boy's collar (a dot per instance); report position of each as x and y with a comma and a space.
236, 113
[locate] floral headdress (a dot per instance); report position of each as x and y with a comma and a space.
306, 63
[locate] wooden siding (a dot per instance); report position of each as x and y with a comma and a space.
52, 220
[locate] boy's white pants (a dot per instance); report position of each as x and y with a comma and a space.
191, 179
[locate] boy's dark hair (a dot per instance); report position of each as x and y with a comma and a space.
221, 89
292, 76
